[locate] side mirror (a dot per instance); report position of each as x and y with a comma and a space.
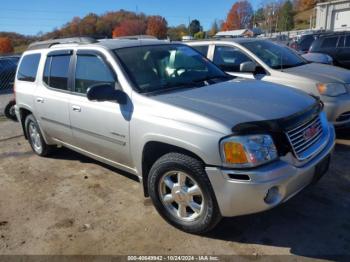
106, 92
247, 67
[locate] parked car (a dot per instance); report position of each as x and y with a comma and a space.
204, 144
8, 65
269, 61
336, 45
302, 43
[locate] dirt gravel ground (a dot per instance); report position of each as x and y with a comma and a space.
69, 204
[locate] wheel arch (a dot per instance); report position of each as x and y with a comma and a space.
153, 150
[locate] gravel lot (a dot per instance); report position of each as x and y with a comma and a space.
69, 204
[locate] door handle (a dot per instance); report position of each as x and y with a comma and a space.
40, 100
76, 108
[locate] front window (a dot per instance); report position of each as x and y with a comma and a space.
165, 67
274, 55
229, 58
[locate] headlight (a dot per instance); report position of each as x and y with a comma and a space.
331, 89
248, 151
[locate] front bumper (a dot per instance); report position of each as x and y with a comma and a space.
240, 197
335, 107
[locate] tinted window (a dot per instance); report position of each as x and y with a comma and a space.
56, 71
347, 41
203, 49
91, 70
28, 68
229, 58
329, 42
167, 67
341, 41
306, 42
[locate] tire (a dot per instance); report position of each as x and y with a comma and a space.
196, 212
35, 137
10, 110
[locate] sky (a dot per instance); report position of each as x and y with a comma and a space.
30, 17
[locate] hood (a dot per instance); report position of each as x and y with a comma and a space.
321, 73
239, 101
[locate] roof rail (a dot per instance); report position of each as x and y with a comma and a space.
52, 42
136, 37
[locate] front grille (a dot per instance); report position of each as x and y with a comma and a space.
343, 117
303, 137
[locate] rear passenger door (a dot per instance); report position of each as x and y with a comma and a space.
100, 128
53, 94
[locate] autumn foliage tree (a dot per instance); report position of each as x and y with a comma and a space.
157, 26
130, 27
5, 45
239, 17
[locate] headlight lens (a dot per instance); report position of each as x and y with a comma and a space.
331, 89
248, 151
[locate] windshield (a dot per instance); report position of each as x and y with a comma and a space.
274, 55
158, 68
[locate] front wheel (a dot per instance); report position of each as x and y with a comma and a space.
182, 194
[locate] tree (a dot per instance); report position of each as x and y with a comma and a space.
239, 17
176, 33
5, 45
157, 26
259, 16
199, 35
130, 27
88, 24
194, 27
302, 5
286, 13
214, 29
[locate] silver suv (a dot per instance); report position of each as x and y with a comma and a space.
204, 144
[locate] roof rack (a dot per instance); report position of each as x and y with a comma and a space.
136, 37
52, 42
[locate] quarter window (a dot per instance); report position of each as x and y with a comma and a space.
330, 42
91, 70
56, 71
229, 58
28, 68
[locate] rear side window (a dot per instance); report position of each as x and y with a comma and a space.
347, 41
329, 42
203, 49
28, 68
56, 71
91, 70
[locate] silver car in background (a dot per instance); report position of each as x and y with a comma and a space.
268, 61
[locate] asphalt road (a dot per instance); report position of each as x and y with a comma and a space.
69, 204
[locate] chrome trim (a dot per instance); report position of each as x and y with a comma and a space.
306, 149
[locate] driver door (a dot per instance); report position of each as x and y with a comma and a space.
229, 59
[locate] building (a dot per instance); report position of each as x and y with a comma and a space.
333, 15
236, 33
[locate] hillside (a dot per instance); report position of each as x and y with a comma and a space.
302, 19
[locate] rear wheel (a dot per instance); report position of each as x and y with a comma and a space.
182, 193
10, 110
35, 137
